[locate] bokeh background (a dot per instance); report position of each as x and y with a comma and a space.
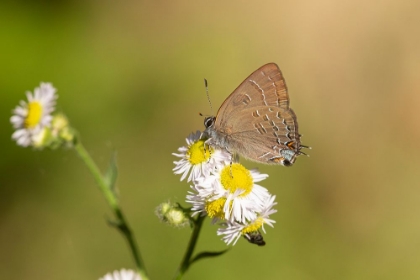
130, 75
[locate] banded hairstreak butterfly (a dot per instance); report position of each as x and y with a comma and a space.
256, 122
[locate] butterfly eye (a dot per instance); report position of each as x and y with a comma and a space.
209, 121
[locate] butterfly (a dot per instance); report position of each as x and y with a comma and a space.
256, 122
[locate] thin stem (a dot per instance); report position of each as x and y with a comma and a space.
93, 168
190, 249
121, 222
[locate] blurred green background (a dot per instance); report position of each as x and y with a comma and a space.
130, 75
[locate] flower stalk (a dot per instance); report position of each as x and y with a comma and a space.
186, 261
121, 223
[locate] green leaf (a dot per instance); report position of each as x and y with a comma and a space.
203, 255
111, 174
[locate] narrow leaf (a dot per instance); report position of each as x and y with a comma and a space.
111, 174
203, 255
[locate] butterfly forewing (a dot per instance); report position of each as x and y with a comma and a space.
266, 86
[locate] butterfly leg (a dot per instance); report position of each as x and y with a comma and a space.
207, 145
233, 157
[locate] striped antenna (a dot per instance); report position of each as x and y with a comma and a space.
208, 96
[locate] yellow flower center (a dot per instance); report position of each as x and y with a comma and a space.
256, 225
236, 176
197, 153
215, 208
34, 114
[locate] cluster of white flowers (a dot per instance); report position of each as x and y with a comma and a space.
225, 191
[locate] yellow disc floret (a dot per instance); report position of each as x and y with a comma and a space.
236, 176
254, 226
198, 152
34, 114
214, 208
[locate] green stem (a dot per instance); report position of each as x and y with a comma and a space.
121, 223
93, 168
190, 249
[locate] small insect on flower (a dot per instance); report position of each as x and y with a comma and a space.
231, 231
255, 237
31, 117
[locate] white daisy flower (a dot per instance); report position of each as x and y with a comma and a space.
123, 274
230, 194
31, 117
198, 159
231, 231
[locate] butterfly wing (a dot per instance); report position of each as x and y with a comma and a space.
256, 118
265, 86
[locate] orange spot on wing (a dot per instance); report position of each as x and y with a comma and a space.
291, 145
277, 160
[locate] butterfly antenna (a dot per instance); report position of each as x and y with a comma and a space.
208, 96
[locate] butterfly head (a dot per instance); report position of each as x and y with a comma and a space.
209, 121
211, 133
